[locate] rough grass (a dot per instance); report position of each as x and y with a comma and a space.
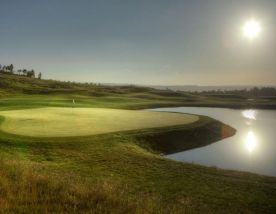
57, 122
23, 190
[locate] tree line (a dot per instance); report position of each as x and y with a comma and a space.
9, 69
252, 92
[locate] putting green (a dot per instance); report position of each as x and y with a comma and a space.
61, 122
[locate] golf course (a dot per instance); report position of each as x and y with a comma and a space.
137, 107
105, 152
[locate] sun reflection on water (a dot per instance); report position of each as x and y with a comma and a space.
250, 141
249, 114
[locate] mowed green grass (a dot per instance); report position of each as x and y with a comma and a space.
64, 122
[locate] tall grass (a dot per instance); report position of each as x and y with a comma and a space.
24, 190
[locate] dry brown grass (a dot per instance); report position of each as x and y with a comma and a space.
23, 190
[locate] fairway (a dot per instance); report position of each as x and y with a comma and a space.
64, 122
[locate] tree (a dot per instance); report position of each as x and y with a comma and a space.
39, 75
31, 73
11, 68
24, 72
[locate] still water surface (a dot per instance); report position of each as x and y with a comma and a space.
252, 149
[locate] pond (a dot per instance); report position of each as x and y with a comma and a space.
252, 149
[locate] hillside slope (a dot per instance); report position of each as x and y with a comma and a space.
13, 88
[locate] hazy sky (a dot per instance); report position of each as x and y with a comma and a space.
144, 42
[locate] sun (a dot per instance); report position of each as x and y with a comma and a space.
251, 29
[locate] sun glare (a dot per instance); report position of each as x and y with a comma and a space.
251, 29
250, 141
249, 114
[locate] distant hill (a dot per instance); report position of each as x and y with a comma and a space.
22, 84
198, 88
19, 84
16, 84
129, 96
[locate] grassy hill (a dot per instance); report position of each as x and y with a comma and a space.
15, 84
14, 89
122, 171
